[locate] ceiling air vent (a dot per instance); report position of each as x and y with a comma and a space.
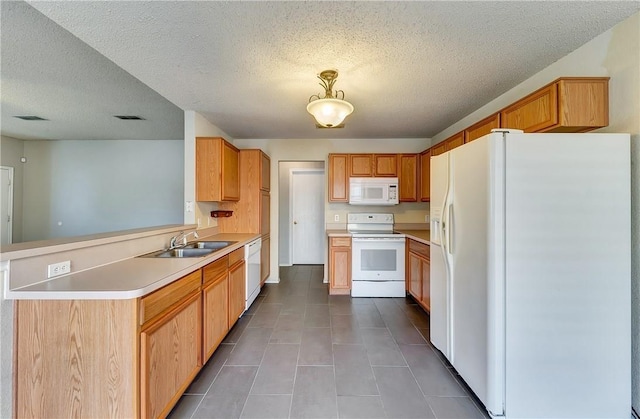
129, 117
30, 118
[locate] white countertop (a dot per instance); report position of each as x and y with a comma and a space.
126, 279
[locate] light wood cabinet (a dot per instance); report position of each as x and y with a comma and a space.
418, 266
415, 274
251, 213
217, 170
86, 345
170, 352
265, 259
338, 177
237, 288
569, 104
385, 165
439, 148
215, 305
265, 170
339, 265
425, 176
265, 213
482, 128
408, 177
454, 141
360, 165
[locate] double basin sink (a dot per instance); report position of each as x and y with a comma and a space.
191, 250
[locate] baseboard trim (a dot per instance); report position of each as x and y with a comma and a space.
272, 280
286, 264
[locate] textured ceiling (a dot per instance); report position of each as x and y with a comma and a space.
410, 69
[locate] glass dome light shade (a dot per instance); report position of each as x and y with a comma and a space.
329, 112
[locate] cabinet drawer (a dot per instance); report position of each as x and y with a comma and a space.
420, 249
340, 242
236, 256
215, 270
157, 302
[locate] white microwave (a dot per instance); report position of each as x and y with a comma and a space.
373, 191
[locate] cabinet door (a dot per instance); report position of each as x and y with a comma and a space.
338, 178
385, 165
425, 175
535, 112
170, 351
482, 128
408, 177
265, 259
230, 172
265, 211
215, 322
454, 141
415, 273
265, 172
340, 269
426, 285
237, 297
360, 165
439, 148
217, 170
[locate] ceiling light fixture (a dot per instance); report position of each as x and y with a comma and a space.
330, 110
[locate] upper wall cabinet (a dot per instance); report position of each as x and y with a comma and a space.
408, 177
569, 104
251, 213
482, 128
338, 177
385, 165
360, 165
217, 170
454, 141
377, 165
425, 175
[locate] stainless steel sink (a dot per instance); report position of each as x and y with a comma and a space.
180, 253
214, 245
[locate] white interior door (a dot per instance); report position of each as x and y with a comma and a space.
307, 216
6, 202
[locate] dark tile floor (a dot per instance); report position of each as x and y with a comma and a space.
300, 353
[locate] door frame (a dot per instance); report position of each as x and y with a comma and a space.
290, 220
9, 202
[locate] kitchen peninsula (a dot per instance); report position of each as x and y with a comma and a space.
125, 337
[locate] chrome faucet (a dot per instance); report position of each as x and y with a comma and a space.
180, 239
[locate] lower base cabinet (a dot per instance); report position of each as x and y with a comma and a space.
340, 265
123, 358
169, 357
418, 281
237, 287
215, 306
265, 259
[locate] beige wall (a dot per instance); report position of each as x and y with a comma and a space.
615, 53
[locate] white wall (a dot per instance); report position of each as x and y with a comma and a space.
615, 53
11, 150
74, 187
318, 150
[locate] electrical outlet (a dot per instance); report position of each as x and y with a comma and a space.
57, 269
188, 206
426, 218
336, 217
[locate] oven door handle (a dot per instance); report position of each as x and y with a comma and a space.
378, 239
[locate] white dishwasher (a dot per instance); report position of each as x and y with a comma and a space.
252, 270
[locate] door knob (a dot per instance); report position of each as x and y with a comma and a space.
295, 222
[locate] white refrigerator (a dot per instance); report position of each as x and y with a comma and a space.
530, 272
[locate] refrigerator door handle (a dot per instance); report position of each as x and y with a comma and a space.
450, 230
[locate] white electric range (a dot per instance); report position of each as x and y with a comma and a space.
378, 256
